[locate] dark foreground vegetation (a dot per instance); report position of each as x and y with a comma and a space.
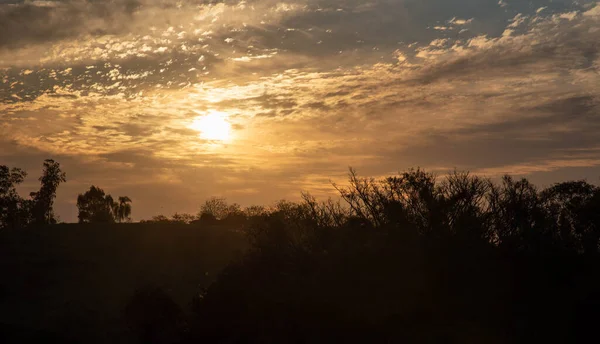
71, 283
415, 260
406, 259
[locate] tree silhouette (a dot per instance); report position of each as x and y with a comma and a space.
122, 209
219, 208
95, 206
52, 176
255, 211
571, 204
18, 212
12, 208
183, 218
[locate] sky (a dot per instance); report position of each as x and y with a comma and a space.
172, 102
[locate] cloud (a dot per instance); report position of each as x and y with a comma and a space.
309, 86
47, 21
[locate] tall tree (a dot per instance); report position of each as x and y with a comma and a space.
12, 206
122, 209
52, 176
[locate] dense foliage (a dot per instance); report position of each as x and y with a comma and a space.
418, 260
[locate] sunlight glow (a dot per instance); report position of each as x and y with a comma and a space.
214, 125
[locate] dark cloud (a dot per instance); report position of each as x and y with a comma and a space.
47, 21
560, 129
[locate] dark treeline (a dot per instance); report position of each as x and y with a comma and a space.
215, 210
410, 258
17, 212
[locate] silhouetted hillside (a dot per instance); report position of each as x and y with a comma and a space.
74, 281
406, 259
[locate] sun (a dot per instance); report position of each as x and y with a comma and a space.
213, 126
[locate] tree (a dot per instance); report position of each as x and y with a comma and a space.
12, 207
255, 211
95, 206
122, 209
183, 218
571, 204
218, 208
519, 217
52, 176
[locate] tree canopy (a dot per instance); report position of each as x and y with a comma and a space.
416, 258
95, 206
43, 200
11, 204
17, 212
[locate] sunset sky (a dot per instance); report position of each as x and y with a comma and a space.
171, 102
